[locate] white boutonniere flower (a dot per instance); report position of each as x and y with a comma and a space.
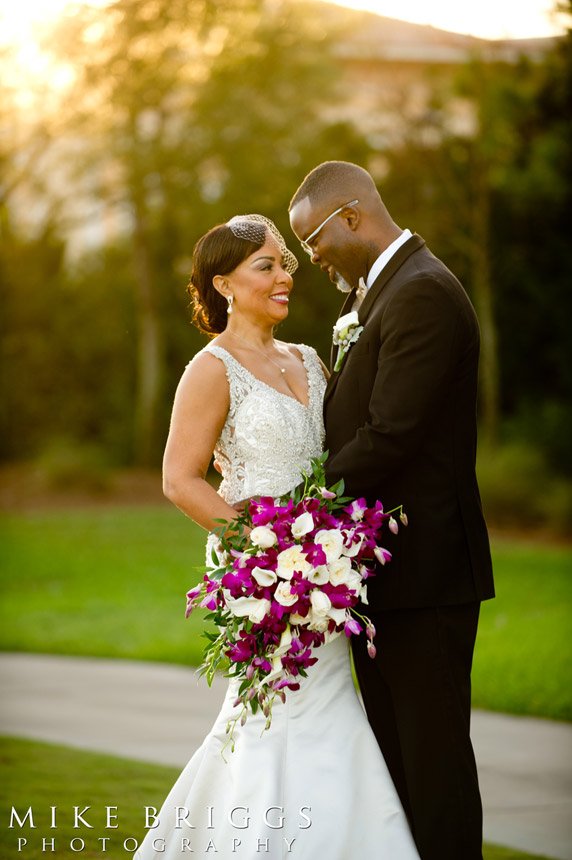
346, 331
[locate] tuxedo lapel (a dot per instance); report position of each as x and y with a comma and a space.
409, 247
331, 383
402, 254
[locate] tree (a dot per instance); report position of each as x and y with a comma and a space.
440, 181
531, 231
181, 115
492, 201
140, 67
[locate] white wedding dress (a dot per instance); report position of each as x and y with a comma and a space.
315, 785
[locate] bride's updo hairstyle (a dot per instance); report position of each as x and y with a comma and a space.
218, 252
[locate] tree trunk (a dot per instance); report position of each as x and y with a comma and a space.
150, 353
483, 295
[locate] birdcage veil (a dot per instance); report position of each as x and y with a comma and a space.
254, 228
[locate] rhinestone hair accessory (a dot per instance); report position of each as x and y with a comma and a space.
254, 227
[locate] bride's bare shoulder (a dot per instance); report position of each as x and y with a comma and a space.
206, 361
204, 374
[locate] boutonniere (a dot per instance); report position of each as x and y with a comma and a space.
346, 331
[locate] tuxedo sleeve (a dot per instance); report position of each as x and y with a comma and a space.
420, 335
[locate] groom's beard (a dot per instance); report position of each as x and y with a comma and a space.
341, 283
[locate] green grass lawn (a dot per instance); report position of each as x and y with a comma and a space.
44, 775
523, 658
105, 582
111, 582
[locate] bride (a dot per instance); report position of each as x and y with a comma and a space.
315, 782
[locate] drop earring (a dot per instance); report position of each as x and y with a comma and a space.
230, 300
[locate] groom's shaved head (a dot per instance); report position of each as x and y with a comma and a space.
338, 209
335, 183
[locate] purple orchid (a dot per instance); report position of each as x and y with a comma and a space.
352, 627
382, 555
237, 582
356, 509
262, 511
243, 649
194, 592
341, 596
209, 602
262, 664
314, 553
285, 682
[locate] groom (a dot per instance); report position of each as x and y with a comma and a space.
400, 414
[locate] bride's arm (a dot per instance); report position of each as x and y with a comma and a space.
199, 412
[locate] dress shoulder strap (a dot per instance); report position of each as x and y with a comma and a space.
308, 352
239, 379
227, 359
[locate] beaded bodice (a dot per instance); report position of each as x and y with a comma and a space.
268, 437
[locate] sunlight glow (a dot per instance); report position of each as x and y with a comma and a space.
24, 21
26, 66
488, 19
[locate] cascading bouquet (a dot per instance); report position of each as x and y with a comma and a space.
286, 580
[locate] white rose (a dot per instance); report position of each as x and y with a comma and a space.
320, 603
253, 607
340, 571
262, 536
332, 543
292, 559
319, 575
302, 525
296, 618
318, 622
264, 577
283, 594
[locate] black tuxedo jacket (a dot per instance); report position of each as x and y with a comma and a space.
400, 420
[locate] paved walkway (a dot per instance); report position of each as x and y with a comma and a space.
160, 713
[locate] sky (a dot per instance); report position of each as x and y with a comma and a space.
21, 22
489, 19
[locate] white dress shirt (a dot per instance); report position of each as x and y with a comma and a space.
379, 265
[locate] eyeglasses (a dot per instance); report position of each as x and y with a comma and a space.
306, 242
